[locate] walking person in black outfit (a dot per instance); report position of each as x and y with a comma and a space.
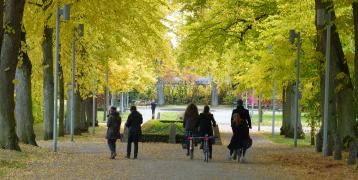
113, 131
133, 124
206, 124
153, 105
240, 124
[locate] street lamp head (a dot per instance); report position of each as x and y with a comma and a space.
81, 30
66, 12
292, 36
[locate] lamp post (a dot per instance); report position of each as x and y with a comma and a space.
79, 30
273, 97
65, 13
94, 107
321, 13
296, 35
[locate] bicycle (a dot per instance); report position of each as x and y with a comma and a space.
206, 150
206, 140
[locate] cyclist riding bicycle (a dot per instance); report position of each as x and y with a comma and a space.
190, 123
206, 124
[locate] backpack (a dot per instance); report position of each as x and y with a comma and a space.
236, 119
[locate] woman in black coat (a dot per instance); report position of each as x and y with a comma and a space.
206, 123
113, 133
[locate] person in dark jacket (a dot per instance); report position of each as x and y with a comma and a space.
153, 105
240, 124
206, 124
113, 131
133, 124
190, 123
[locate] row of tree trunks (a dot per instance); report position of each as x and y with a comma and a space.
341, 127
23, 106
10, 47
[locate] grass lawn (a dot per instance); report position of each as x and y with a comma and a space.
157, 127
267, 120
279, 139
169, 115
100, 115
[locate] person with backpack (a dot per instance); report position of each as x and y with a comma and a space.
133, 124
240, 124
113, 131
206, 124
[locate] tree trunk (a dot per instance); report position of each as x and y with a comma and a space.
77, 114
83, 118
89, 111
284, 111
61, 131
48, 83
355, 20
10, 47
288, 124
23, 106
332, 121
68, 112
345, 95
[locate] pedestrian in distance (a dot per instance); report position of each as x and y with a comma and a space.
133, 124
190, 123
206, 123
113, 131
153, 105
240, 124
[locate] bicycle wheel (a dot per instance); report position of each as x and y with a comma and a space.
206, 151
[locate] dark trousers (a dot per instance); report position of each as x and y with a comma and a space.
153, 113
112, 145
132, 138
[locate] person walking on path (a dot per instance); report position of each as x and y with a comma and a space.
153, 105
190, 123
113, 131
240, 124
133, 124
206, 124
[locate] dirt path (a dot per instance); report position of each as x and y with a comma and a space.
89, 160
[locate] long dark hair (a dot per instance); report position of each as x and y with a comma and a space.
191, 111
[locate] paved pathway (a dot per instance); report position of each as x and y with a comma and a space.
89, 160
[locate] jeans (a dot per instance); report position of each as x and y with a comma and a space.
112, 145
132, 138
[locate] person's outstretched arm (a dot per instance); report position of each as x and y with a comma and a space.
213, 120
249, 120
